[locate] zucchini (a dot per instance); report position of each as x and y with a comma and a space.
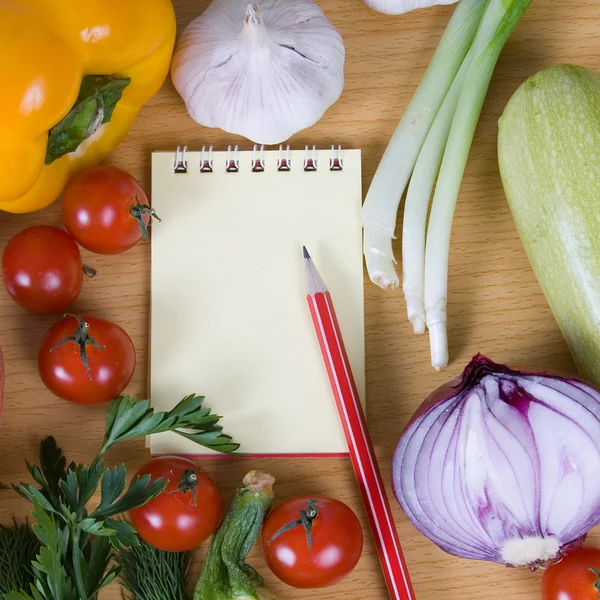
549, 156
226, 575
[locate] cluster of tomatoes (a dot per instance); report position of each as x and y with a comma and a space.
106, 211
307, 542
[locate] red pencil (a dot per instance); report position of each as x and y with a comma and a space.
357, 435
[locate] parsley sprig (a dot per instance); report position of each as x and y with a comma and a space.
77, 544
128, 419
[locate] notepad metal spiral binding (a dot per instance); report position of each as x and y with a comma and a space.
232, 163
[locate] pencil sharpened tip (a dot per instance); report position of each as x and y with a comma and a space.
306, 254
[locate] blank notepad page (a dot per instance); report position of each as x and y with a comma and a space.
229, 318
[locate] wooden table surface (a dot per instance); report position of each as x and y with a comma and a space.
495, 305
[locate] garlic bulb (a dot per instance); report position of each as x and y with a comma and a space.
264, 70
398, 7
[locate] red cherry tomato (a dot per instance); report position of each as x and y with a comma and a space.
316, 556
574, 577
42, 271
86, 360
106, 210
186, 513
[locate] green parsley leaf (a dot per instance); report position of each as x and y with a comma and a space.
21, 595
89, 478
141, 491
32, 494
52, 464
99, 562
128, 418
125, 534
69, 488
94, 527
113, 485
49, 570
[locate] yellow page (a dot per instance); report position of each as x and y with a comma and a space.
229, 318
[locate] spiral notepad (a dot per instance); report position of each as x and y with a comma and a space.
229, 319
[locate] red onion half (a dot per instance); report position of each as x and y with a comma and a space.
503, 466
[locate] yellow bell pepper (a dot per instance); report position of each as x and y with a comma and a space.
52, 100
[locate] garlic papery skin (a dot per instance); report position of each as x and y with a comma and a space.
264, 70
399, 7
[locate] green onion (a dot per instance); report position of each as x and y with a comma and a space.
382, 201
417, 205
438, 147
500, 18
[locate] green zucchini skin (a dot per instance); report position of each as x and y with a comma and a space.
549, 156
225, 575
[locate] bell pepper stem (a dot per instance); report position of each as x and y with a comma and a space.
97, 99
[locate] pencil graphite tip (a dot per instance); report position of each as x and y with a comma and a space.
314, 283
306, 254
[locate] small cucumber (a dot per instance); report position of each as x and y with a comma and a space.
225, 575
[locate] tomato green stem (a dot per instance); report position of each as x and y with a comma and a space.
139, 211
597, 582
306, 519
189, 482
81, 338
89, 272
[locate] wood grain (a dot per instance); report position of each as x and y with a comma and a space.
495, 306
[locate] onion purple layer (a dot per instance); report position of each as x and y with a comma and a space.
502, 465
